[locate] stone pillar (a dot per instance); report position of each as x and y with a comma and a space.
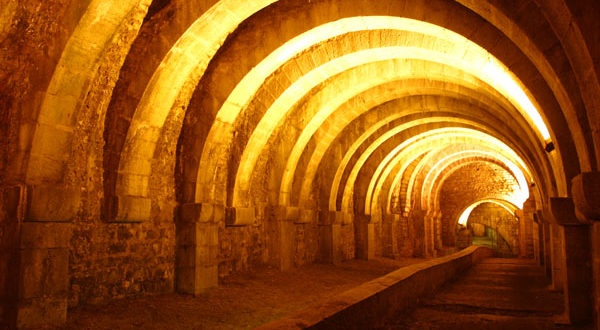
364, 231
528, 214
547, 249
522, 234
11, 220
282, 234
540, 235
428, 226
438, 230
43, 256
557, 247
330, 238
405, 239
417, 217
197, 266
577, 258
585, 189
391, 235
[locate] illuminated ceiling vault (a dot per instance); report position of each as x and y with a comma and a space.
323, 109
295, 91
254, 116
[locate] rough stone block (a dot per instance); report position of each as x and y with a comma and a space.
346, 218
197, 212
287, 240
186, 256
207, 234
335, 217
330, 244
196, 280
44, 273
327, 218
186, 233
586, 196
52, 203
239, 216
206, 277
365, 238
132, 209
287, 213
562, 211
578, 302
37, 235
186, 277
306, 216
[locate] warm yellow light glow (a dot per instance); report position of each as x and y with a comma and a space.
102, 21
464, 217
398, 178
390, 161
521, 191
367, 153
454, 55
461, 153
351, 111
508, 83
296, 91
274, 115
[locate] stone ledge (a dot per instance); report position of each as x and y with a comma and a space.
586, 196
370, 304
562, 212
327, 218
239, 216
201, 212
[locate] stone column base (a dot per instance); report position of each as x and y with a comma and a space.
43, 274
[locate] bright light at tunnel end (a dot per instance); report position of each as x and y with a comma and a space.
464, 217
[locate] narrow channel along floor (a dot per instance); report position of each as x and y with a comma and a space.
494, 294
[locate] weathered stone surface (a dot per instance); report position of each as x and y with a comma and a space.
132, 208
586, 196
52, 203
112, 129
239, 216
201, 212
330, 244
197, 257
562, 211
468, 184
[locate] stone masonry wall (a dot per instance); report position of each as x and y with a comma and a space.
469, 184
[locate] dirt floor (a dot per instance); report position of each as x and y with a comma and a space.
240, 301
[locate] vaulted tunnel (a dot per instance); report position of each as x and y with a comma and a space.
152, 147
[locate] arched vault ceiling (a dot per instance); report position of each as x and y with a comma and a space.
417, 184
409, 148
297, 56
147, 136
448, 159
383, 116
329, 98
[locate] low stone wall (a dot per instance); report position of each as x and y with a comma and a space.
371, 304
